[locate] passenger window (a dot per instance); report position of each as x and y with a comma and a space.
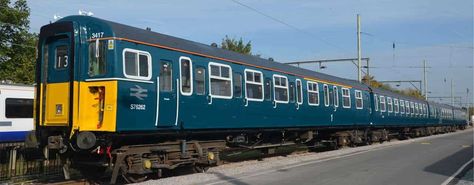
200, 75
412, 105
313, 93
389, 104
97, 63
237, 85
407, 108
336, 96
166, 76
292, 92
346, 98
186, 67
382, 104
18, 108
326, 95
402, 107
417, 110
61, 57
137, 64
376, 100
268, 89
395, 103
253, 85
299, 92
359, 101
221, 81
280, 88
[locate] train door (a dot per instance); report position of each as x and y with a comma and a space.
167, 94
57, 78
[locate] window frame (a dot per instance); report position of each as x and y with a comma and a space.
335, 90
417, 109
104, 53
220, 78
389, 105
254, 83
412, 106
361, 99
299, 92
138, 53
281, 87
346, 96
6, 108
161, 78
312, 91
376, 103
235, 74
326, 95
407, 108
191, 76
402, 106
384, 103
396, 106
203, 80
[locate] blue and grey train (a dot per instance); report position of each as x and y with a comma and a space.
137, 101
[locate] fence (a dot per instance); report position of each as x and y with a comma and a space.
17, 164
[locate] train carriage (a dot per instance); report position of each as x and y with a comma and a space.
16, 112
139, 101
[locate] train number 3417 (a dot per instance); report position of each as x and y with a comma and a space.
97, 35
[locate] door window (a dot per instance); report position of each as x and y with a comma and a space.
166, 76
200, 73
186, 72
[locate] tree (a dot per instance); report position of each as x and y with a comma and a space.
235, 45
408, 92
17, 45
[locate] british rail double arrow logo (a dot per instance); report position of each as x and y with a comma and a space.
138, 92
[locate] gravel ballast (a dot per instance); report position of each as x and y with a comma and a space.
233, 171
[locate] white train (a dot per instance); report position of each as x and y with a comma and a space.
16, 112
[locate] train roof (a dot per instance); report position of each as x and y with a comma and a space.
393, 94
142, 35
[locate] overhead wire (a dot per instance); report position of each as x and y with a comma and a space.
287, 24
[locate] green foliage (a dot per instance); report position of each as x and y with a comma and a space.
408, 92
17, 51
235, 45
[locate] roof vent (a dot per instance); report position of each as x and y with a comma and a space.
214, 45
148, 29
271, 59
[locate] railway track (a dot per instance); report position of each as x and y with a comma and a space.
230, 156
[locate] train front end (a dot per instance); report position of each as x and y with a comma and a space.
73, 112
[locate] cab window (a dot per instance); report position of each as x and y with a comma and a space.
97, 61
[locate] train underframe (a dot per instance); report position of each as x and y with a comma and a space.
135, 157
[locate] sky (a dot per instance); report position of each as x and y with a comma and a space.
439, 32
